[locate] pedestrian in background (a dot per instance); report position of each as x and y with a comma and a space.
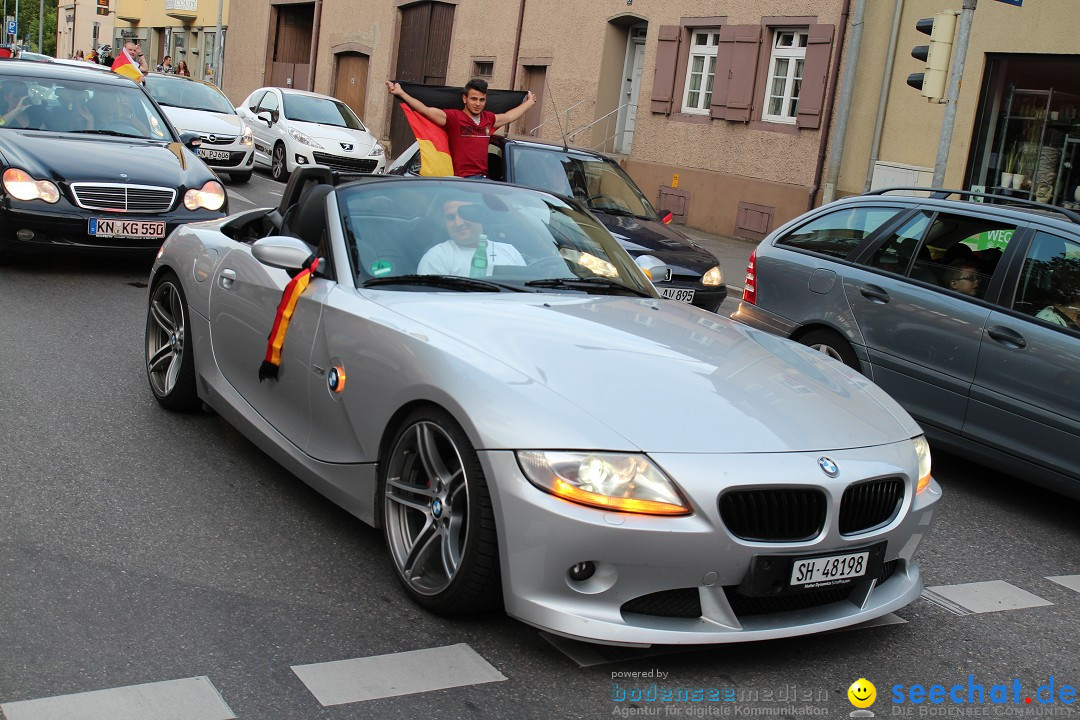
181, 69
166, 65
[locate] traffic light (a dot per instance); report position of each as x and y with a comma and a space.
934, 81
102, 7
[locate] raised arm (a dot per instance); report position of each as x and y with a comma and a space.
511, 115
435, 115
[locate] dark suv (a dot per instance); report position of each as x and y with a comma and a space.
693, 274
963, 309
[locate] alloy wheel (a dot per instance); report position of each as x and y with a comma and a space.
165, 338
828, 350
278, 162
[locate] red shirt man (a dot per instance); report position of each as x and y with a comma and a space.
467, 130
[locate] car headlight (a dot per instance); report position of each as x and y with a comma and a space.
303, 139
620, 482
922, 452
377, 150
210, 196
20, 185
715, 276
246, 137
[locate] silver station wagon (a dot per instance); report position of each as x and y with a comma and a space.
963, 309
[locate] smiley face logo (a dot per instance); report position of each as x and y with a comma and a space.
862, 693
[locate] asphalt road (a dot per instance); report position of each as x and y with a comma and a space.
140, 546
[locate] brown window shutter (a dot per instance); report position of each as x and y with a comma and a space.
721, 80
815, 76
667, 56
745, 43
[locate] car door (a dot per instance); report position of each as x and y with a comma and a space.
922, 334
267, 135
243, 305
1025, 399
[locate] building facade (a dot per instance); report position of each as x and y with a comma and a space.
182, 29
81, 26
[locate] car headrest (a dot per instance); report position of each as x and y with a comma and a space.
307, 221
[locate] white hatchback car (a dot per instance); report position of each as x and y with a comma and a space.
294, 128
199, 107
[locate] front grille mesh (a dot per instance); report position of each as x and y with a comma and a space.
218, 139
774, 514
680, 603
334, 162
744, 605
123, 198
870, 505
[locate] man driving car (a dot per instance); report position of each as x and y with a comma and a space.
468, 252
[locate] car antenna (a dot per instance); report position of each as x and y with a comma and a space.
562, 130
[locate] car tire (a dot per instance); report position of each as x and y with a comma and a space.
240, 178
832, 344
437, 516
170, 353
279, 165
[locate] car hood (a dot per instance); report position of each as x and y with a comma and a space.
64, 157
203, 121
668, 377
361, 140
641, 236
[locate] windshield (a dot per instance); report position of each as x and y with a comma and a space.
595, 180
80, 106
323, 111
413, 235
187, 94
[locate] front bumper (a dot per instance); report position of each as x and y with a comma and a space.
241, 158
650, 569
705, 297
303, 156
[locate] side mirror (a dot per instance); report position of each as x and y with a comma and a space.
287, 253
666, 216
653, 268
191, 139
266, 117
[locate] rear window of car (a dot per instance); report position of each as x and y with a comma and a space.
839, 232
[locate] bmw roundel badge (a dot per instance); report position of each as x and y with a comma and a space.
335, 379
828, 466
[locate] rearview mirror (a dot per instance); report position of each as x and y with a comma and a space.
191, 139
287, 253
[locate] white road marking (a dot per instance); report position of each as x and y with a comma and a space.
982, 597
405, 673
1070, 581
187, 699
238, 196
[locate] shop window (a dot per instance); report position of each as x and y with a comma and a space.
700, 68
785, 76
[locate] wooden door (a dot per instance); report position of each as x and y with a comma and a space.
535, 80
350, 81
423, 54
291, 55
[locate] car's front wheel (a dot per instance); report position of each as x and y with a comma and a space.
170, 357
832, 344
279, 167
437, 516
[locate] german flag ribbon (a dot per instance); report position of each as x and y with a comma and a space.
434, 146
125, 65
289, 298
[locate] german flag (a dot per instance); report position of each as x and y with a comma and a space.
434, 147
293, 291
125, 65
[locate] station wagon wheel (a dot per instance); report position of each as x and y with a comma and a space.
437, 516
832, 344
279, 167
170, 357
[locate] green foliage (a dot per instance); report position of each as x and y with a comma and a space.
29, 19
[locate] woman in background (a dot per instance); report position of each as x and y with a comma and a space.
181, 69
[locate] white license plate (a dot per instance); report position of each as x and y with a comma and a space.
136, 229
213, 154
685, 295
813, 571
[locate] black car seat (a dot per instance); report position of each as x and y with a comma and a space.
307, 219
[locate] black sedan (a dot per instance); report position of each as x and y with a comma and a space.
690, 274
87, 159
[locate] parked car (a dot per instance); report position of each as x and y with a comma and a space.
36, 57
695, 276
294, 128
500, 426
958, 309
92, 162
199, 107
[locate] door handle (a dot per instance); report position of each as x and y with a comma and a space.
1006, 336
228, 277
874, 294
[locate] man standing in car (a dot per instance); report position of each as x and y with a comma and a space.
468, 131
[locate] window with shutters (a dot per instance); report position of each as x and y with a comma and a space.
785, 76
700, 70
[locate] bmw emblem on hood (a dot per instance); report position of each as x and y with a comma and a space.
828, 466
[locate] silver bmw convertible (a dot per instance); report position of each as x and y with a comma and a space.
480, 370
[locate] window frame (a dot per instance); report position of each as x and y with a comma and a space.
708, 54
796, 53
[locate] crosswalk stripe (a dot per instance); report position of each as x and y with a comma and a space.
193, 698
1070, 581
982, 597
404, 673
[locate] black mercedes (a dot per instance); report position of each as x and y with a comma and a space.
87, 159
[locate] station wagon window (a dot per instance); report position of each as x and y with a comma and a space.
1049, 285
839, 232
956, 252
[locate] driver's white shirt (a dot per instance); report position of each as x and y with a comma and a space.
449, 258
